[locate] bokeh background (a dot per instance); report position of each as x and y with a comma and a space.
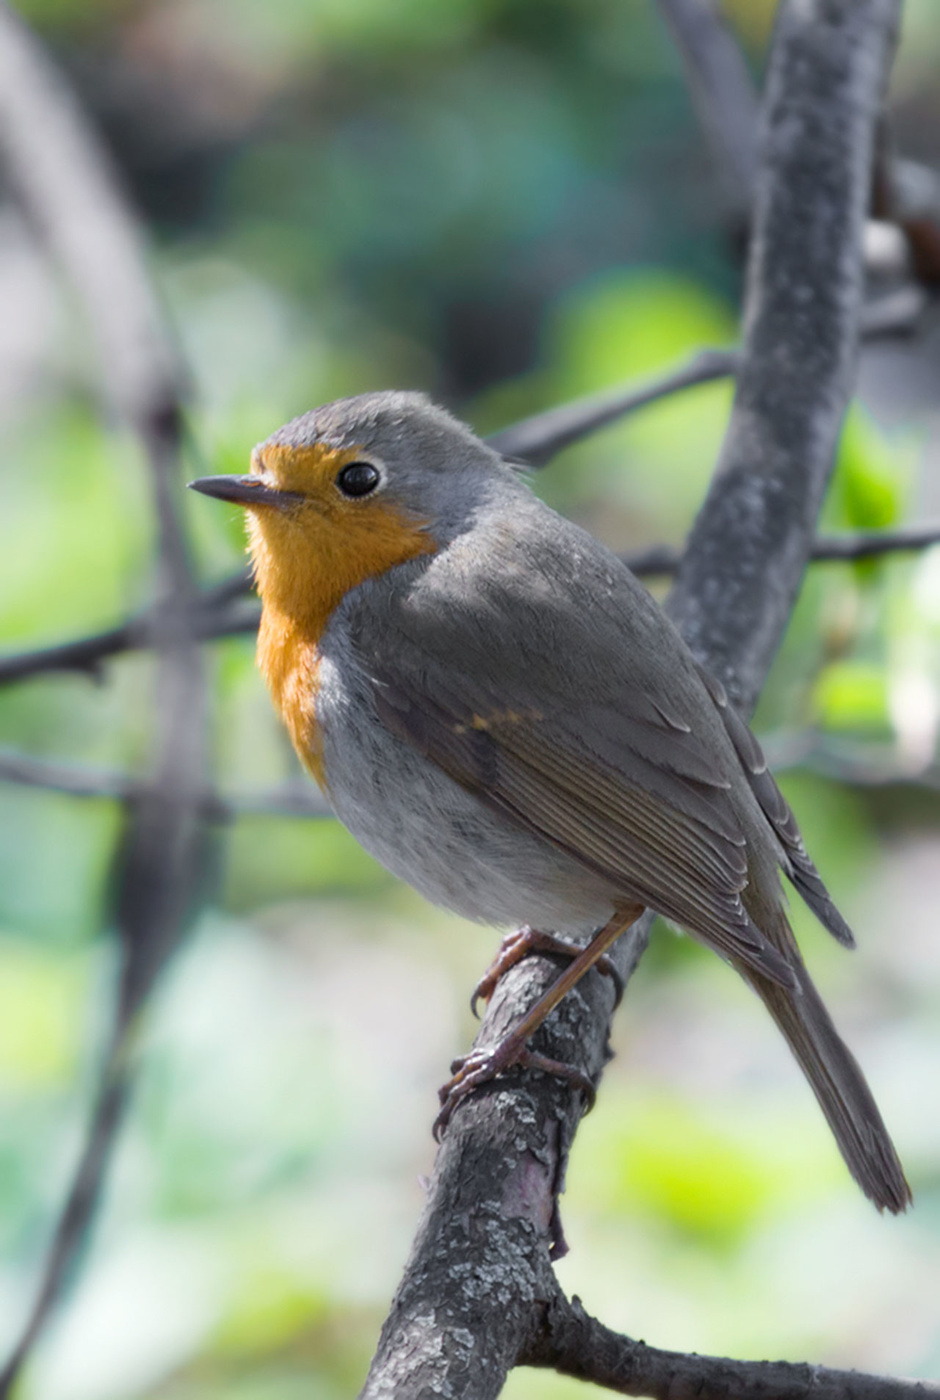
507, 203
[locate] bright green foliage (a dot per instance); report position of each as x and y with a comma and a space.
871, 477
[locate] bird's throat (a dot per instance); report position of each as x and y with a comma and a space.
289, 660
303, 573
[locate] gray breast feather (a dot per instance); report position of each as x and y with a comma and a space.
424, 828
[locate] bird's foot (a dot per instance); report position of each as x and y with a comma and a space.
523, 941
480, 1066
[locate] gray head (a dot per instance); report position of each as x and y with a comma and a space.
396, 447
356, 487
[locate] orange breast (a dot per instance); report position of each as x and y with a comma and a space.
305, 565
290, 663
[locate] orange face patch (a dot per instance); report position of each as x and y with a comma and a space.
306, 558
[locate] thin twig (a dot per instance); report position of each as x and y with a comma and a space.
222, 613
663, 560
847, 759
298, 799
66, 186
537, 439
723, 92
216, 612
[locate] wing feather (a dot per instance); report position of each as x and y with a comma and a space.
526, 768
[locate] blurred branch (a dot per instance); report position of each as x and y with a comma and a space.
213, 613
723, 93
661, 559
747, 549
290, 800
472, 1300
219, 612
66, 778
536, 440
858, 763
572, 1342
69, 192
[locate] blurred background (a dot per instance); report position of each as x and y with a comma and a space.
506, 203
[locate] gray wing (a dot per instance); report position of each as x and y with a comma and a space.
551, 686
797, 863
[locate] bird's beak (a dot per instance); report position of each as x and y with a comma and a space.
245, 491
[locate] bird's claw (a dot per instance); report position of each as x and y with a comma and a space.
523, 941
468, 1072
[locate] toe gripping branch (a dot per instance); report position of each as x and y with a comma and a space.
481, 1065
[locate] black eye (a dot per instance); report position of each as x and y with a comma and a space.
358, 479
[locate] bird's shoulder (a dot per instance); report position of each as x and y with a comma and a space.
527, 598
527, 614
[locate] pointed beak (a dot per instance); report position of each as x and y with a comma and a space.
245, 491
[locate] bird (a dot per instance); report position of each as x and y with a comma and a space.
502, 715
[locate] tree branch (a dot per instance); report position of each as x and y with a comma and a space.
479, 1267
214, 613
747, 550
68, 190
536, 440
847, 759
722, 91
572, 1342
863, 544
298, 799
222, 611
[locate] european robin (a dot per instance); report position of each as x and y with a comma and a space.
502, 715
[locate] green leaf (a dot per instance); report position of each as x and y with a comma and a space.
851, 695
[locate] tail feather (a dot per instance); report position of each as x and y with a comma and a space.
840, 1087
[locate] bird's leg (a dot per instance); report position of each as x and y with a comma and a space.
470, 1071
523, 941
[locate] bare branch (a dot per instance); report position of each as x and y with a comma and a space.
723, 93
216, 613
294, 799
661, 559
67, 188
537, 439
749, 544
69, 191
577, 1345
860, 763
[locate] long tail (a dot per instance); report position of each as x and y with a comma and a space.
839, 1085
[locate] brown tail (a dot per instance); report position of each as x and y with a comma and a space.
839, 1085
